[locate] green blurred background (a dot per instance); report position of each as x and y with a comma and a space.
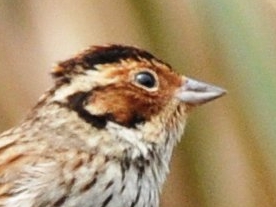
227, 157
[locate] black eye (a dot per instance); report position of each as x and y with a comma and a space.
145, 79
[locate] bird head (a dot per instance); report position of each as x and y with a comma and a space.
139, 101
125, 85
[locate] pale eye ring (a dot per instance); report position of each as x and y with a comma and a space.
145, 79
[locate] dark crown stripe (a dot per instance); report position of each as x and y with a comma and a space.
114, 53
102, 55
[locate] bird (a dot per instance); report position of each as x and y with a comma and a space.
103, 135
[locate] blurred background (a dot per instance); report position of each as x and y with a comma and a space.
228, 156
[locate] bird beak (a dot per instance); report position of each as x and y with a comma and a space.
195, 92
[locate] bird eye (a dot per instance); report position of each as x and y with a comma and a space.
145, 79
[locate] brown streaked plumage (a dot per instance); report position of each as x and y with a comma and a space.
103, 135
